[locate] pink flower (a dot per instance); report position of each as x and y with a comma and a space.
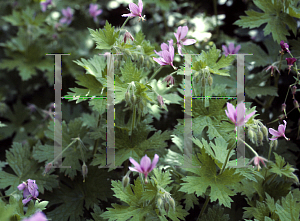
166, 55
135, 11
258, 159
230, 49
272, 69
160, 100
128, 36
232, 114
38, 216
44, 4
68, 16
284, 47
290, 62
145, 166
279, 133
170, 80
30, 190
181, 40
94, 12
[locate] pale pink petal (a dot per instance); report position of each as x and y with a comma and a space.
166, 56
236, 50
128, 15
179, 49
140, 6
160, 61
164, 46
178, 33
154, 162
274, 132
188, 41
136, 164
231, 112
225, 49
249, 115
184, 31
231, 48
134, 9
145, 163
171, 52
240, 114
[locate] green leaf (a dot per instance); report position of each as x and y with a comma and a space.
206, 177
77, 195
214, 61
130, 72
105, 38
275, 19
72, 156
20, 160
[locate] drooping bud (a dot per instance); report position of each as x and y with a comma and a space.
265, 131
251, 134
283, 107
142, 59
84, 170
172, 203
127, 52
294, 90
260, 137
133, 99
159, 202
203, 81
296, 104
148, 64
197, 76
170, 80
125, 181
167, 207
210, 80
160, 100
128, 36
127, 97
48, 168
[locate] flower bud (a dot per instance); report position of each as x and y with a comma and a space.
281, 117
142, 59
296, 104
160, 100
172, 203
125, 181
148, 64
159, 202
203, 81
250, 134
48, 168
127, 97
210, 80
167, 207
265, 131
283, 107
127, 52
169, 79
84, 170
133, 99
197, 76
294, 90
260, 137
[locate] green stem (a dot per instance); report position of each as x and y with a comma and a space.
133, 121
269, 155
203, 208
155, 73
216, 14
125, 22
74, 140
8, 195
96, 141
249, 147
224, 165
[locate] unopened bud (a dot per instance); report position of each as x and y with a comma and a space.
48, 168
250, 134
294, 90
127, 52
127, 97
210, 80
159, 202
160, 100
167, 207
197, 76
265, 131
283, 107
281, 117
172, 203
260, 137
148, 64
84, 171
125, 181
296, 104
142, 58
133, 99
203, 81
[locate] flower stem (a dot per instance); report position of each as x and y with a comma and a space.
125, 22
224, 165
155, 73
96, 141
74, 140
133, 121
203, 208
269, 155
249, 147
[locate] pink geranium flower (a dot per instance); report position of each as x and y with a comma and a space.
290, 62
231, 49
279, 133
45, 4
135, 11
258, 159
284, 47
166, 55
30, 190
145, 166
181, 40
38, 216
94, 12
68, 16
232, 114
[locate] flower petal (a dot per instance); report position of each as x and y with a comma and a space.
188, 41
274, 132
145, 163
134, 9
231, 112
154, 162
236, 50
184, 31
240, 114
136, 164
140, 6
